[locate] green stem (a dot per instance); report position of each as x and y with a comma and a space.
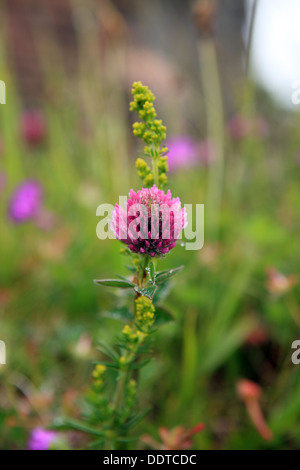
142, 271
215, 130
155, 167
128, 356
120, 390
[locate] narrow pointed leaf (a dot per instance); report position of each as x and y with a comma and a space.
123, 284
164, 276
132, 269
137, 418
162, 316
152, 271
108, 351
118, 313
78, 425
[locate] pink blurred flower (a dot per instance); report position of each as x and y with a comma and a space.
41, 439
257, 336
183, 152
277, 283
26, 202
240, 127
151, 223
178, 438
33, 127
251, 393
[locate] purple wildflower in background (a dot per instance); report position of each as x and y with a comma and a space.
41, 439
183, 152
26, 202
33, 127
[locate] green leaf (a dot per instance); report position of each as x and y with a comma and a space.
123, 278
164, 276
139, 364
151, 271
118, 313
123, 284
132, 269
162, 292
147, 291
162, 316
108, 351
126, 439
136, 418
111, 365
216, 356
98, 442
62, 423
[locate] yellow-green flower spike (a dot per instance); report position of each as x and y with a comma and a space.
145, 311
152, 132
148, 181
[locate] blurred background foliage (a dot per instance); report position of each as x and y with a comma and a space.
236, 304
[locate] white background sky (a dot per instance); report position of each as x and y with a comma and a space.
275, 58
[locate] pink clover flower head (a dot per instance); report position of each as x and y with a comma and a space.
41, 439
151, 222
26, 202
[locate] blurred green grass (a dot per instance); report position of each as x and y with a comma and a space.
49, 301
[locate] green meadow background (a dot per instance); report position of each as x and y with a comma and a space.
228, 324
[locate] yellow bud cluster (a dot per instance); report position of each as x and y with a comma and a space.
132, 388
142, 98
152, 132
144, 171
136, 262
98, 373
163, 179
145, 311
132, 336
163, 169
